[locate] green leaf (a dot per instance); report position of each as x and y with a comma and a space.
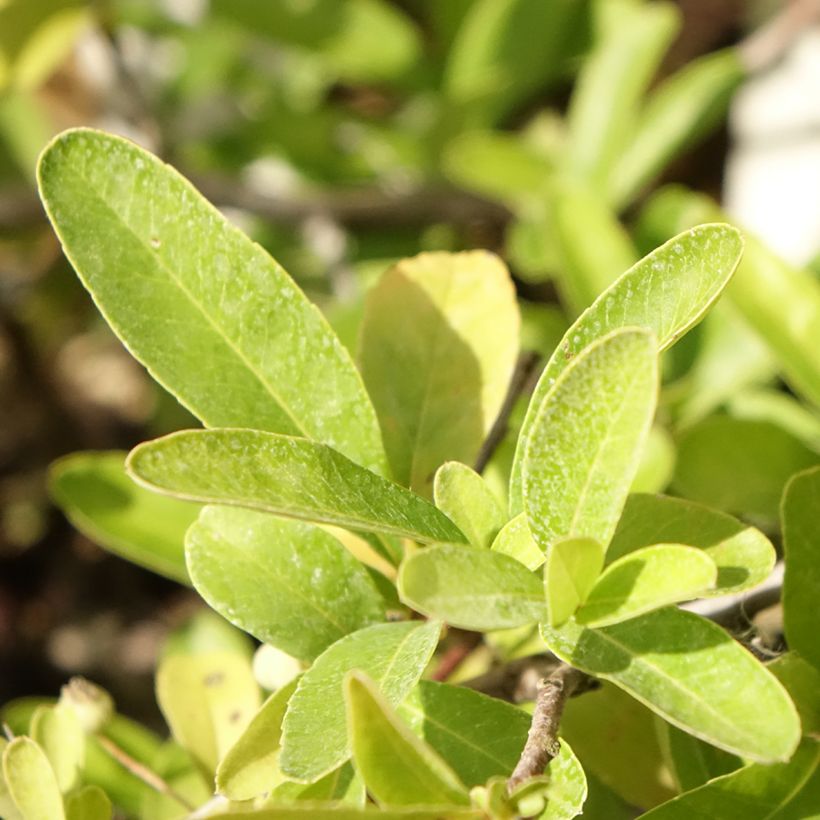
59, 733
691, 673
438, 345
786, 791
342, 784
31, 781
585, 443
657, 462
472, 589
340, 811
463, 495
145, 243
647, 579
8, 809
101, 501
573, 566
287, 583
314, 736
89, 803
398, 768
515, 539
251, 766
208, 699
291, 477
694, 266
801, 583
607, 94
802, 682
739, 466
743, 555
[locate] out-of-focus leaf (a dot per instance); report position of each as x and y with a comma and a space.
585, 442
573, 566
291, 477
288, 583
339, 811
515, 540
145, 243
208, 699
59, 733
739, 466
473, 589
31, 781
88, 803
743, 555
439, 341
657, 464
781, 409
468, 502
314, 738
725, 696
802, 682
801, 583
695, 266
100, 499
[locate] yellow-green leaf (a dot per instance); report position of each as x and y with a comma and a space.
31, 781
573, 566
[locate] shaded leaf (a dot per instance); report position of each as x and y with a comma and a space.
472, 589
292, 477
89, 803
340, 811
342, 784
573, 566
802, 682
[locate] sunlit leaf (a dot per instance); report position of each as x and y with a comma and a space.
573, 566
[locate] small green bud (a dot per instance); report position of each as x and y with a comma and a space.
91, 703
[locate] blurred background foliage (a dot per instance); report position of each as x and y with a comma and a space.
345, 134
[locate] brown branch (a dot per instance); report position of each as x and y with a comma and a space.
150, 778
523, 379
542, 741
455, 655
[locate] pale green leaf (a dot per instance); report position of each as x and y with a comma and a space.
291, 477
647, 579
472, 589
738, 465
657, 463
89, 803
691, 673
8, 810
285, 582
667, 292
585, 443
59, 733
573, 566
312, 810
397, 768
438, 345
801, 583
314, 737
208, 699
779, 408
515, 540
462, 494
743, 555
250, 767
101, 501
31, 781
783, 791
342, 784
230, 334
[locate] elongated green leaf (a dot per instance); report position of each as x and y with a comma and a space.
573, 566
208, 699
89, 803
314, 736
647, 579
287, 583
472, 589
692, 673
667, 292
250, 767
292, 477
398, 768
739, 466
801, 583
680, 112
585, 443
340, 811
463, 495
145, 243
31, 781
99, 498
743, 555
515, 539
59, 733
439, 341
606, 99
785, 791
342, 784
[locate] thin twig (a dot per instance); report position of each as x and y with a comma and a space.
151, 779
542, 741
523, 379
455, 655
